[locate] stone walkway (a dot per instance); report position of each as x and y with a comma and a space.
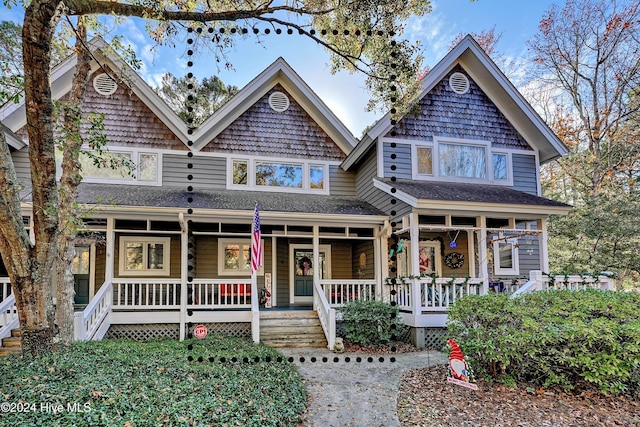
352, 393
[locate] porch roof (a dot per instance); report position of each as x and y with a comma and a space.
226, 200
414, 192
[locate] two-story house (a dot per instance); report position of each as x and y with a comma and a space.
447, 200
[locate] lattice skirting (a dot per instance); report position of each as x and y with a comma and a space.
144, 332
232, 329
435, 338
162, 330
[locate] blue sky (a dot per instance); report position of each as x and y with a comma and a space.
343, 93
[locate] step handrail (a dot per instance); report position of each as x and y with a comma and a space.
326, 314
9, 316
90, 322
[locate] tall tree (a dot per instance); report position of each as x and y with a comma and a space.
588, 60
210, 94
357, 34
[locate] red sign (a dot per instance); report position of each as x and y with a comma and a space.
200, 331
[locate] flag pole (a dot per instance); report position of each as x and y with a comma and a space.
256, 258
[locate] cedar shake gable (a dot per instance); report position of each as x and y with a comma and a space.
128, 121
261, 131
443, 112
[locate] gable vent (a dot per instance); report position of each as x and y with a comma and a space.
279, 102
104, 84
459, 83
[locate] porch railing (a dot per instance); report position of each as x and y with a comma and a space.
220, 293
340, 292
93, 323
326, 314
150, 294
8, 316
433, 295
165, 294
5, 288
540, 282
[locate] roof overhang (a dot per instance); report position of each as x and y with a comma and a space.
471, 207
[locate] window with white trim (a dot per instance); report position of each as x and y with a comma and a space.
144, 256
461, 160
277, 175
234, 257
118, 166
505, 256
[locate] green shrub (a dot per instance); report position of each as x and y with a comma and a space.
370, 323
553, 338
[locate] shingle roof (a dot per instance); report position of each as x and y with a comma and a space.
473, 193
131, 195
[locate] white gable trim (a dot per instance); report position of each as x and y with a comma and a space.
499, 90
14, 115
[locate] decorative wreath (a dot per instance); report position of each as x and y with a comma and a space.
454, 260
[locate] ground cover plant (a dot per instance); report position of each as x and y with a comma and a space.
553, 339
228, 381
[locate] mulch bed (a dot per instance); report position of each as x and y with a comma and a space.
426, 399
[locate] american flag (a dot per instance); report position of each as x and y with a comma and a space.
256, 245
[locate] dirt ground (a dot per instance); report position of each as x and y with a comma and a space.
426, 399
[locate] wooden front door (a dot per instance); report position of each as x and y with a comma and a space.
302, 272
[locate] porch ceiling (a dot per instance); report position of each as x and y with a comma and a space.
224, 200
416, 193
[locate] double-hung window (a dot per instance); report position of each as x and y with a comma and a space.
505, 256
234, 257
144, 256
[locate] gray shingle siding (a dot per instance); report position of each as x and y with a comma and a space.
402, 160
468, 116
208, 172
261, 131
525, 176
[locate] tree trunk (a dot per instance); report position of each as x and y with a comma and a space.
69, 181
33, 290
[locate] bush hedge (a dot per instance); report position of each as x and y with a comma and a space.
370, 323
553, 338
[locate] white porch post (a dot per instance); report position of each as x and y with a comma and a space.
381, 249
184, 272
414, 236
542, 244
472, 253
482, 250
111, 241
316, 255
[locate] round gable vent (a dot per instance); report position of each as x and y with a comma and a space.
104, 84
279, 102
459, 83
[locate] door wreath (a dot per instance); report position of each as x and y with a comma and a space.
454, 260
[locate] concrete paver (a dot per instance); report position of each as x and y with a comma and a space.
352, 393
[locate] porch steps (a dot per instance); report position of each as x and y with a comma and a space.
295, 328
11, 344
